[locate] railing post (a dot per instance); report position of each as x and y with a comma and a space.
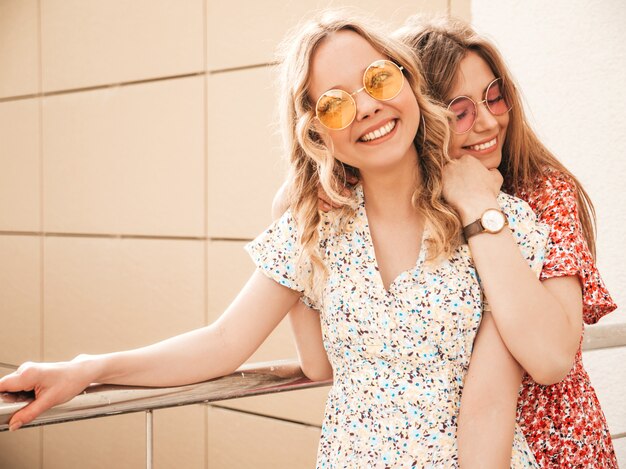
149, 439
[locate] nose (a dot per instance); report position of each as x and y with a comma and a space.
366, 106
485, 120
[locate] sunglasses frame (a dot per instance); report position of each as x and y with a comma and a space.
363, 88
484, 101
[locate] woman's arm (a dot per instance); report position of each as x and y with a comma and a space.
540, 323
198, 355
305, 321
307, 331
488, 403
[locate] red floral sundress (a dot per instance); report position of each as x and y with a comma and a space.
563, 423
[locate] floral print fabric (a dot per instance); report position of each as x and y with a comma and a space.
399, 355
564, 423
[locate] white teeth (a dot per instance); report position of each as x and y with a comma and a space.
384, 130
483, 146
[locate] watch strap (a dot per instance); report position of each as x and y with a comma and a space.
473, 229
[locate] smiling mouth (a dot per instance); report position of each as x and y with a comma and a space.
378, 133
483, 146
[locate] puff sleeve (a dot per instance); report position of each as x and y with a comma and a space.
555, 203
531, 235
276, 253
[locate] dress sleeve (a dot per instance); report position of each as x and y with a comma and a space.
568, 252
276, 253
531, 235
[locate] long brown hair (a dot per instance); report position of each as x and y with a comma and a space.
312, 163
441, 43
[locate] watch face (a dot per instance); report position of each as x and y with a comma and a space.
493, 220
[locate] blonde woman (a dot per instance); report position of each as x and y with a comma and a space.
465, 72
563, 422
397, 292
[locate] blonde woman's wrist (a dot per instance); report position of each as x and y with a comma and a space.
90, 368
472, 209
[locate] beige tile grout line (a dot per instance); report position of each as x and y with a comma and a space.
41, 205
205, 105
205, 116
204, 73
123, 236
105, 86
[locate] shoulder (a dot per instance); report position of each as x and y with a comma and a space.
516, 209
529, 233
554, 194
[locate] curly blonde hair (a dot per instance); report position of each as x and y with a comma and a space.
312, 163
441, 43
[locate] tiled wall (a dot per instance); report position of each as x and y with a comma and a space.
138, 152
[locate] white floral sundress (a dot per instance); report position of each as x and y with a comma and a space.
399, 356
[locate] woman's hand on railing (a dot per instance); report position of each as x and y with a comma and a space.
52, 383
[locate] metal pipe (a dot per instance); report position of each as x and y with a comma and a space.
149, 439
102, 400
601, 336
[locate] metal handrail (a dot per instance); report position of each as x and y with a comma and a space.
250, 380
103, 400
602, 336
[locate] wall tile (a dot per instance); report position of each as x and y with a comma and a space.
22, 449
262, 25
117, 41
103, 295
102, 443
461, 9
126, 160
306, 406
238, 440
229, 268
19, 55
244, 160
180, 437
20, 173
20, 300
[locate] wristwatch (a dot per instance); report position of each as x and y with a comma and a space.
491, 221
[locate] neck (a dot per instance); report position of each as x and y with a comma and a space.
389, 192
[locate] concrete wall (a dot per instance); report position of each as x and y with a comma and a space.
569, 58
126, 194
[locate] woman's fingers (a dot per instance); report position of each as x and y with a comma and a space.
16, 381
31, 411
468, 184
24, 379
53, 383
324, 202
351, 179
